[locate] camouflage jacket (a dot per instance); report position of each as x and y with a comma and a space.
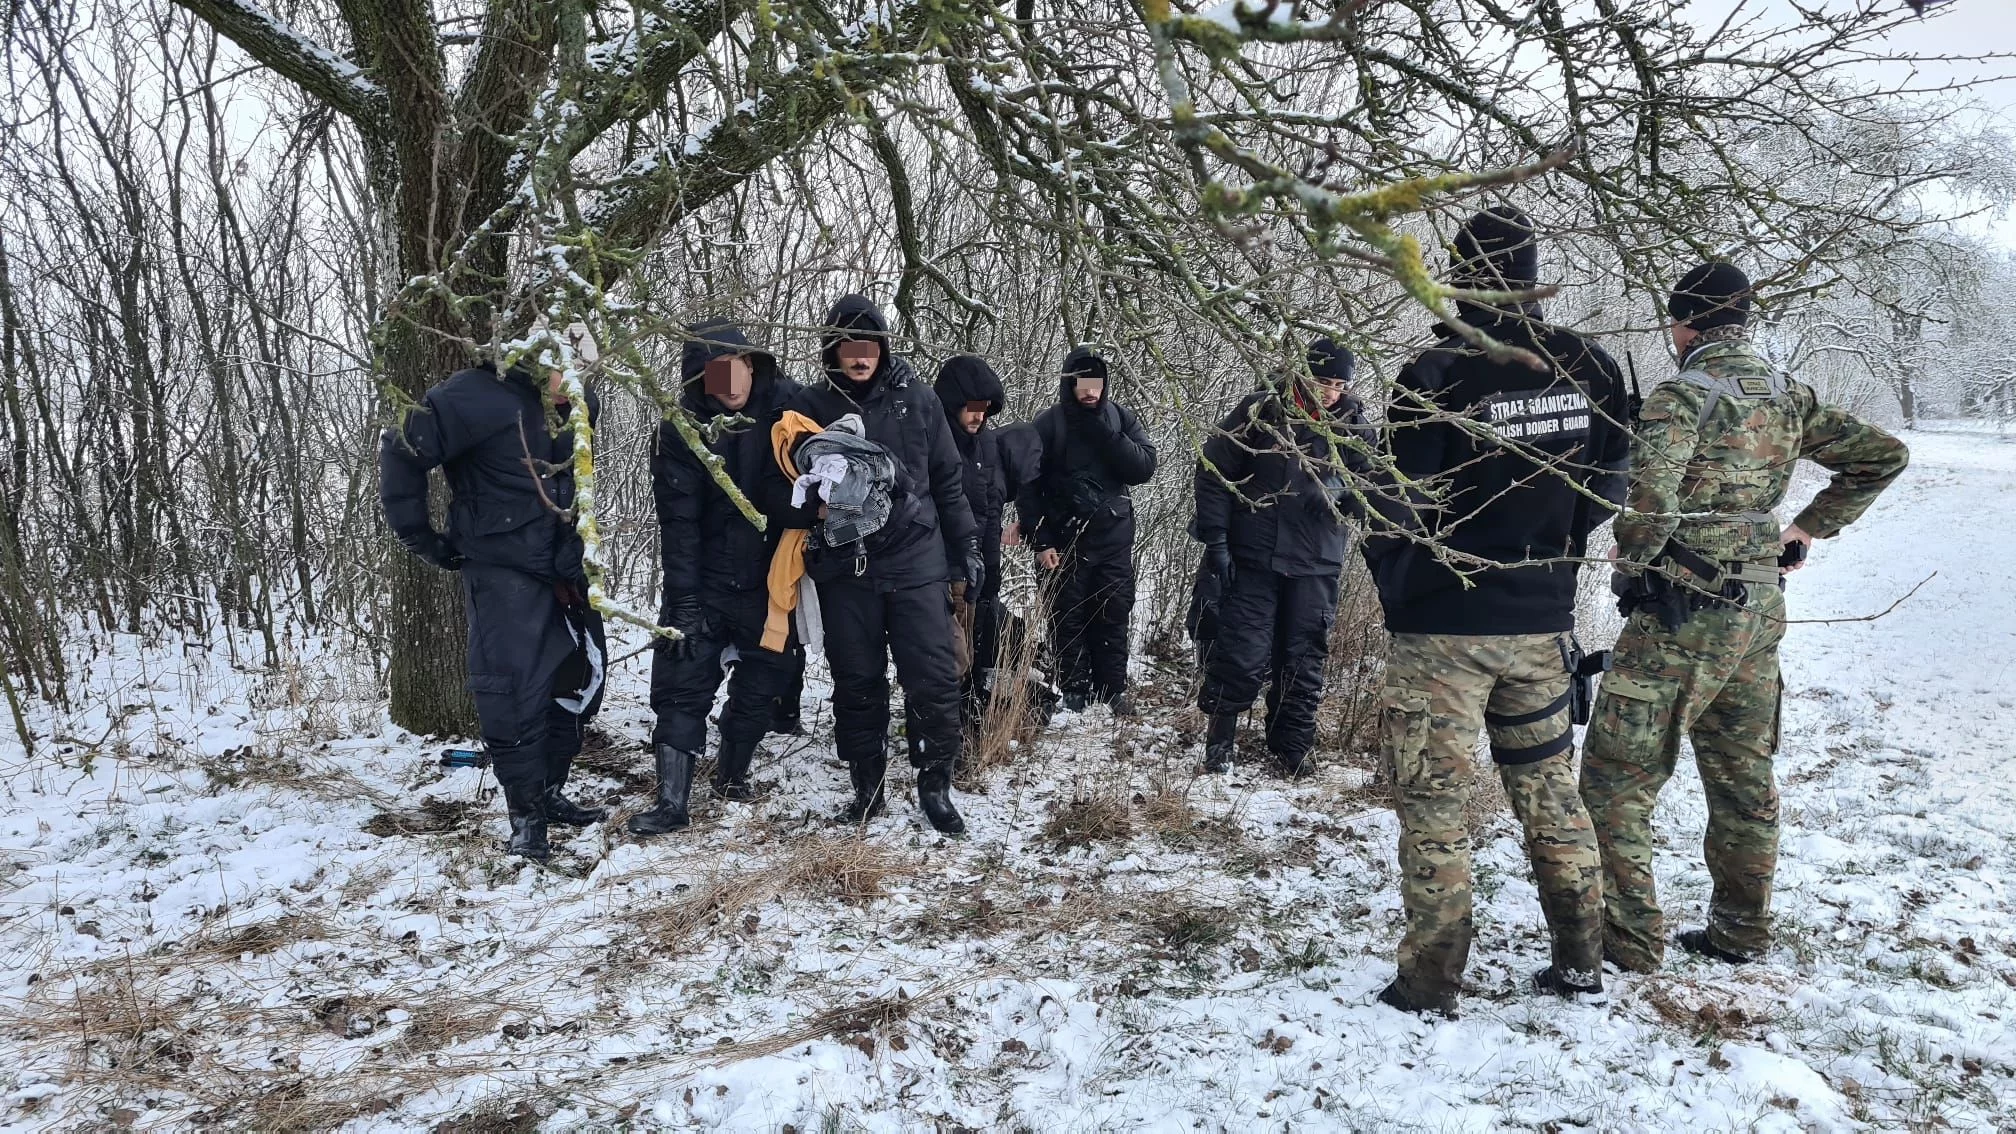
1709, 466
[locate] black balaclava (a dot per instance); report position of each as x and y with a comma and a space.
1714, 294
853, 317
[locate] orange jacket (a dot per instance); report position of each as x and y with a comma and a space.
787, 565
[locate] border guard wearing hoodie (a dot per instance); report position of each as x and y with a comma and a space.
716, 565
1081, 521
1715, 451
1506, 469
1272, 499
886, 595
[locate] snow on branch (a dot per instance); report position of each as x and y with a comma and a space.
314, 68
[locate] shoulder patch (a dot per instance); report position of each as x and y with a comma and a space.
1753, 386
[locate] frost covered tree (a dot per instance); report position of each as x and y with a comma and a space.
1199, 188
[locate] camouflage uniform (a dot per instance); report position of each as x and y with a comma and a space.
1440, 689
1717, 446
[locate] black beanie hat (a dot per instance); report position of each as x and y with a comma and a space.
1497, 249
1712, 295
1331, 361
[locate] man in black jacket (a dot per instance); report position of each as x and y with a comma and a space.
535, 645
995, 470
717, 566
886, 594
1081, 525
1274, 487
1507, 466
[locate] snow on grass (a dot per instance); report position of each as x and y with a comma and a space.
263, 907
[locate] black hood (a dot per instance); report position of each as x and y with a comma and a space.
967, 378
852, 317
1083, 360
710, 339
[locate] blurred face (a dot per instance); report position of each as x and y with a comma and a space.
1331, 390
973, 416
858, 358
1089, 388
729, 380
1683, 337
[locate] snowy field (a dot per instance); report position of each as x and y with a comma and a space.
242, 900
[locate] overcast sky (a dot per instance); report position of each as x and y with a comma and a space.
1958, 29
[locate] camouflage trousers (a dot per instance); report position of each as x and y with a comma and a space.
1441, 689
1714, 681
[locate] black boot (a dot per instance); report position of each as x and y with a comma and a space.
731, 769
675, 788
1395, 996
560, 809
934, 795
1697, 942
1074, 702
870, 799
1221, 741
528, 823
1586, 987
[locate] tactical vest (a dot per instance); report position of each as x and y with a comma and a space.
1748, 429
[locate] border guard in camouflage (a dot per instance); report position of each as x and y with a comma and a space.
1506, 468
1700, 562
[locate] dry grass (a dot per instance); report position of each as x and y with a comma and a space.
848, 869
1090, 816
228, 943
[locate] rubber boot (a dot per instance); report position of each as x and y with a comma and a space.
731, 769
560, 809
870, 798
675, 789
1221, 740
528, 823
934, 795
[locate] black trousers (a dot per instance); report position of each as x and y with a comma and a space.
1089, 614
683, 683
865, 628
1273, 629
524, 655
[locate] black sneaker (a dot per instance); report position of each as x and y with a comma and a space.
1075, 702
1586, 988
1696, 941
1393, 996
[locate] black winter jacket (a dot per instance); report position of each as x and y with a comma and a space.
509, 475
929, 521
1293, 481
1512, 496
998, 460
1090, 458
709, 548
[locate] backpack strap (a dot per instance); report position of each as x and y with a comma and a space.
1745, 386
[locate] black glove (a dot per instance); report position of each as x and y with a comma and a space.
975, 567
438, 551
1218, 557
685, 614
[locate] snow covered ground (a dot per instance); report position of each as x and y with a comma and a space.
257, 905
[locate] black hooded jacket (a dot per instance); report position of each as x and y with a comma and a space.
929, 523
1289, 499
480, 429
1512, 499
1091, 456
709, 547
995, 470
